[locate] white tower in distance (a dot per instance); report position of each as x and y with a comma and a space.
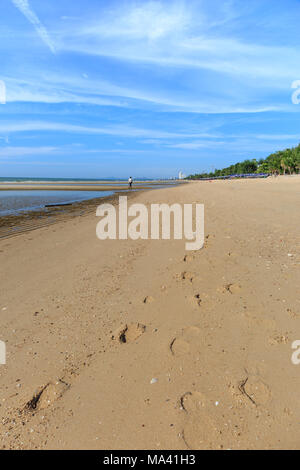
181, 176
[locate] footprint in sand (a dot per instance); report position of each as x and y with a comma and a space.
186, 276
188, 342
188, 258
277, 338
129, 333
292, 313
255, 390
199, 428
205, 426
232, 288
47, 395
196, 300
192, 401
206, 241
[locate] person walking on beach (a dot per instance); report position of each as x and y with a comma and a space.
130, 180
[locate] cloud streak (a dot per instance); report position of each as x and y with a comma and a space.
24, 7
117, 130
51, 88
7, 152
178, 35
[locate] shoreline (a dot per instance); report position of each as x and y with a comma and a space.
46, 215
82, 185
15, 224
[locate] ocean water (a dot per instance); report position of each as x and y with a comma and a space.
16, 201
16, 179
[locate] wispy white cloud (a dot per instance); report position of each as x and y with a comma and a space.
285, 137
197, 145
24, 7
195, 61
52, 88
150, 20
116, 130
7, 152
159, 138
180, 34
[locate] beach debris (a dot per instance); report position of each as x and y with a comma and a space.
153, 381
59, 204
129, 333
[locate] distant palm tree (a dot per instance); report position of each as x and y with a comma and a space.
283, 165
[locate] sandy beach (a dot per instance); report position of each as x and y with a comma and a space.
143, 345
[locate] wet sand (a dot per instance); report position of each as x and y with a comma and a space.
81, 185
14, 224
23, 221
142, 345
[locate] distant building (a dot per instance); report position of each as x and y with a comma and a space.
181, 176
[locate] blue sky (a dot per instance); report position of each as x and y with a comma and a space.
111, 88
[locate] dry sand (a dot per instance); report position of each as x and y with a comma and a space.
89, 324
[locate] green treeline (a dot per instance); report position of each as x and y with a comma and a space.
282, 162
